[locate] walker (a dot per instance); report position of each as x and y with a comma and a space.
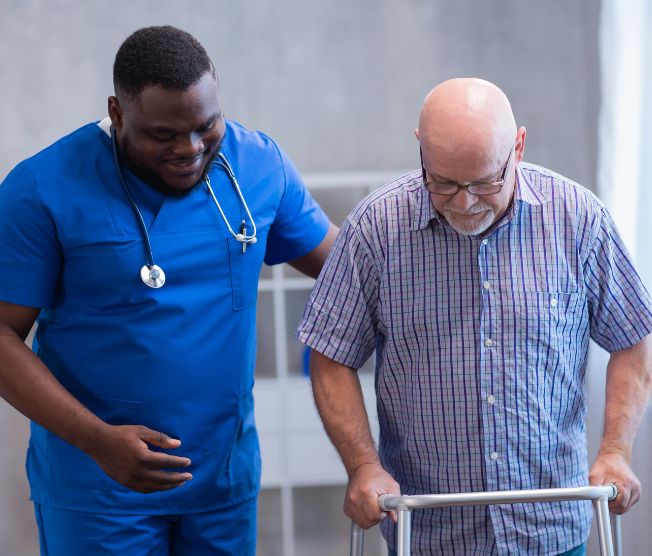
403, 505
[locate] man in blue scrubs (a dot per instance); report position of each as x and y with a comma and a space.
143, 436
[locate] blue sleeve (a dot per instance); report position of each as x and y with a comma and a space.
620, 308
300, 224
30, 256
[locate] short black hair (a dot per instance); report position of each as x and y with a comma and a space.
163, 56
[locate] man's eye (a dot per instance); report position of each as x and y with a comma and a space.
207, 127
163, 136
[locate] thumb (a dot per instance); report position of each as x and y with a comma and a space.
159, 439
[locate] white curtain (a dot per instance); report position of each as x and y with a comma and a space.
623, 184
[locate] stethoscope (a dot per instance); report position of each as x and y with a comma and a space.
151, 274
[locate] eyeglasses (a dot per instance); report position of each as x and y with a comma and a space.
475, 188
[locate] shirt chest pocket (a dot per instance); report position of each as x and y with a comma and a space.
244, 268
551, 317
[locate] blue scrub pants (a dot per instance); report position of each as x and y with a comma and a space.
224, 532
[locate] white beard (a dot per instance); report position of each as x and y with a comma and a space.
472, 224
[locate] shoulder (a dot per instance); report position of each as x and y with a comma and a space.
239, 139
69, 146
559, 190
257, 159
567, 205
70, 171
69, 158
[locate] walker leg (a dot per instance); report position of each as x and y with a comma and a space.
404, 531
618, 539
357, 540
604, 526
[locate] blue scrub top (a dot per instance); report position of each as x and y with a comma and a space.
179, 359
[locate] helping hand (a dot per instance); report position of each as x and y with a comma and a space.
124, 455
367, 483
613, 467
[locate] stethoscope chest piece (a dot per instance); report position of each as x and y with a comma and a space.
152, 276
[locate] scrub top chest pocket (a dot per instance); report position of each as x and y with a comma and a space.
245, 269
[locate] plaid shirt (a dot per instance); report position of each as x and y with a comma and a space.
481, 350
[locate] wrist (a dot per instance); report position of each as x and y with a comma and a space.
371, 461
93, 436
616, 449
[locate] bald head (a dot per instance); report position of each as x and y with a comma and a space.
467, 134
467, 119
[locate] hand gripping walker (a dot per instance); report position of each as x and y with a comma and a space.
403, 505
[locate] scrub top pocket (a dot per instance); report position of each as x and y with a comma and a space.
245, 270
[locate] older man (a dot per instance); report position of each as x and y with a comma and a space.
479, 280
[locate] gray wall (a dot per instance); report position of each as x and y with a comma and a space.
339, 84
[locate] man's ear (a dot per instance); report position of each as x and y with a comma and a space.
416, 133
520, 143
115, 112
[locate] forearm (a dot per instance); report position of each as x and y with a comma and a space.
29, 386
339, 400
629, 382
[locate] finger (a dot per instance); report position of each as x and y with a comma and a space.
376, 515
149, 487
158, 438
621, 503
364, 514
158, 460
636, 495
165, 477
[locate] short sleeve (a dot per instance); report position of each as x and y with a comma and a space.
620, 308
30, 256
341, 317
300, 224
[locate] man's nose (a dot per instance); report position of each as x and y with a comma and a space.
188, 145
463, 200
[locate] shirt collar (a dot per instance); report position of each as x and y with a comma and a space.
526, 191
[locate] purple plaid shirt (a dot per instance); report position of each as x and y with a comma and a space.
481, 350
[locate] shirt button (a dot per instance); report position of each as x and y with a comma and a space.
493, 456
491, 399
486, 285
485, 241
553, 302
488, 342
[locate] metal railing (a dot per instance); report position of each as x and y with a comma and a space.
610, 545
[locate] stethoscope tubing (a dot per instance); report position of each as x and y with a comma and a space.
222, 162
132, 201
153, 275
